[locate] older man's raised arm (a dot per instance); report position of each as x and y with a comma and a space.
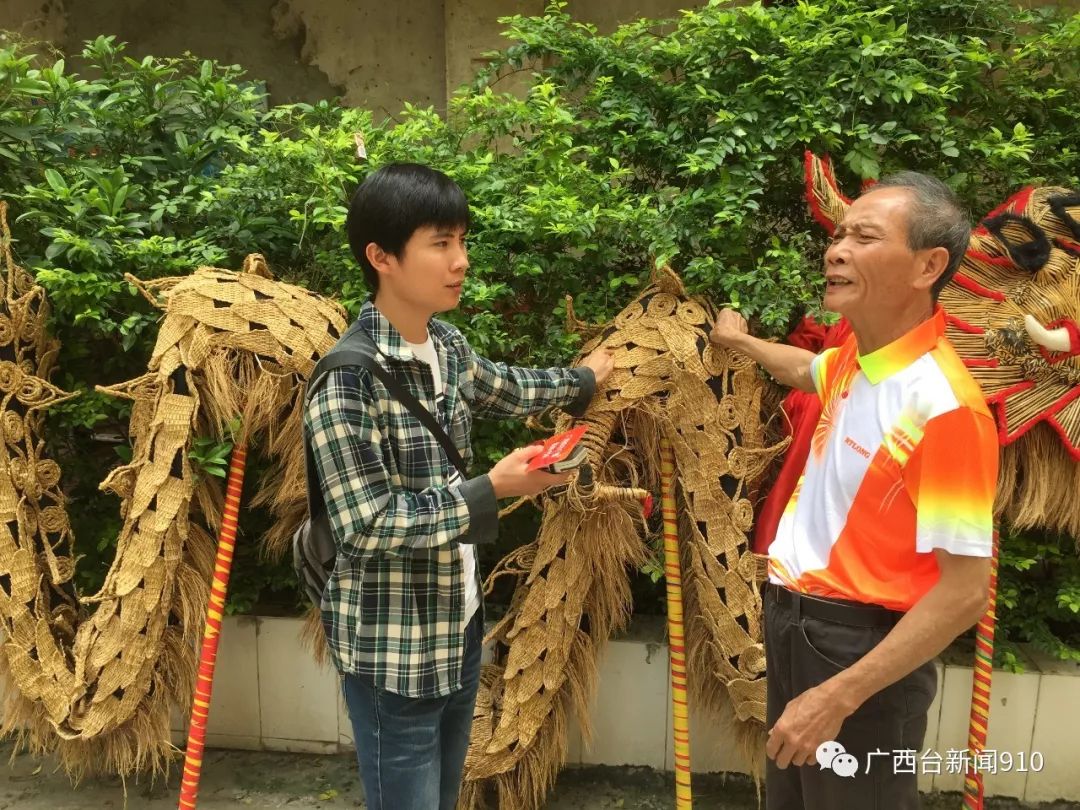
788, 364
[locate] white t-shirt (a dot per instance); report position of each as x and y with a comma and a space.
426, 352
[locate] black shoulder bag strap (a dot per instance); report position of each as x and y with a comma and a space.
357, 349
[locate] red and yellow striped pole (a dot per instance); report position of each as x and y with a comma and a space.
980, 691
219, 585
676, 636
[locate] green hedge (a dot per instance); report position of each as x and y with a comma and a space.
669, 141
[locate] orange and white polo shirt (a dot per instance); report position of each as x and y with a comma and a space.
904, 460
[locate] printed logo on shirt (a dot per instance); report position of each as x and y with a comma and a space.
858, 448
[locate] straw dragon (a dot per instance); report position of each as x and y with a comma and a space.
93, 678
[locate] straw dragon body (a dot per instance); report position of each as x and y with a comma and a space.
93, 678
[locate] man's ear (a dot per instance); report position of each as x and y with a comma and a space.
379, 258
934, 264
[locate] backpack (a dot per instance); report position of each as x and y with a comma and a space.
313, 547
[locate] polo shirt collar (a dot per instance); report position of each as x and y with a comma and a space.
902, 352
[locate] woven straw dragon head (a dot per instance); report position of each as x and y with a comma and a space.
1013, 310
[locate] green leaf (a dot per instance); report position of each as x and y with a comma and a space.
56, 181
118, 199
55, 249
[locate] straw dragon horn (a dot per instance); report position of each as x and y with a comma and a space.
1058, 339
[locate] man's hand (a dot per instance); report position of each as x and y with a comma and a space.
948, 608
812, 718
510, 478
789, 364
728, 327
601, 361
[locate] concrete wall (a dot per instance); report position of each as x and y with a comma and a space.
422, 50
374, 55
35, 19
380, 54
233, 33
475, 22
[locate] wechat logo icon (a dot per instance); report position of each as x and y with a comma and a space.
832, 756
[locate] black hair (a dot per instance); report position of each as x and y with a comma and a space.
393, 202
936, 219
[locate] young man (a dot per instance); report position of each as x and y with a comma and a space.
881, 557
403, 608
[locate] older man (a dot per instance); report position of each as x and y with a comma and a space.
882, 556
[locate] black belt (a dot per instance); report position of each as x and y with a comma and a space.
839, 611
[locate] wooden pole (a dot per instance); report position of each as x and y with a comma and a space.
676, 636
974, 790
215, 611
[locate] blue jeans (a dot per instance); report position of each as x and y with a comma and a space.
412, 750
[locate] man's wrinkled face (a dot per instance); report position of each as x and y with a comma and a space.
870, 270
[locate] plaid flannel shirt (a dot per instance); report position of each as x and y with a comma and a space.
394, 606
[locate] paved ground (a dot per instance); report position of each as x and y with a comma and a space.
234, 779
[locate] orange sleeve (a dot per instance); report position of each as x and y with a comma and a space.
952, 480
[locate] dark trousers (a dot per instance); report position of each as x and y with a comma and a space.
802, 651
412, 750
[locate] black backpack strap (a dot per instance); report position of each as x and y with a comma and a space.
357, 349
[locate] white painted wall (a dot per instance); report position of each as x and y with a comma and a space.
269, 694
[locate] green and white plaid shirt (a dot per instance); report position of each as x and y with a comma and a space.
394, 607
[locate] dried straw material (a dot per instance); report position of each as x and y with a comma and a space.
248, 343
95, 681
1024, 259
573, 589
42, 620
